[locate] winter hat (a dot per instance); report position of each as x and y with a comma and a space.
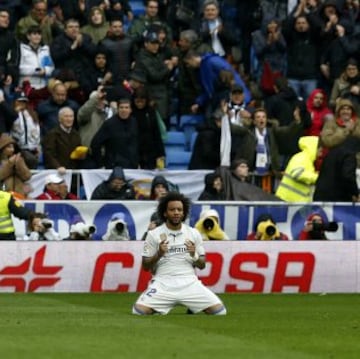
5, 140
117, 172
159, 180
344, 102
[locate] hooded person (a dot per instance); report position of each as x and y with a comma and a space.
214, 188
300, 175
116, 187
209, 226
265, 229
159, 187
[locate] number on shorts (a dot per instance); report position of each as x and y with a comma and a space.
150, 292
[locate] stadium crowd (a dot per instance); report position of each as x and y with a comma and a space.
94, 84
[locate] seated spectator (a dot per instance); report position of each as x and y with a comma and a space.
214, 188
116, 187
26, 132
48, 110
337, 177
265, 229
298, 181
60, 143
64, 192
159, 187
347, 86
52, 187
13, 170
237, 186
97, 26
209, 226
36, 65
40, 228
313, 228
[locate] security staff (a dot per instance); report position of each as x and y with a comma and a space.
9, 206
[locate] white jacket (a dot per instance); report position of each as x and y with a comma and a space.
30, 60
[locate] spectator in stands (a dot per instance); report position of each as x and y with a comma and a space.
36, 65
157, 72
209, 226
189, 87
151, 147
159, 187
119, 138
120, 50
214, 188
116, 187
10, 206
7, 114
97, 26
265, 229
78, 9
73, 51
9, 51
60, 142
141, 24
217, 77
269, 46
337, 177
236, 184
119, 9
302, 37
319, 111
311, 230
64, 193
26, 132
13, 170
48, 110
51, 187
347, 85
214, 31
298, 181
38, 16
344, 124
92, 114
40, 228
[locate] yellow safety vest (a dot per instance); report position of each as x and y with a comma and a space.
6, 223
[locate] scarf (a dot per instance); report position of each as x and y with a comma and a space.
262, 163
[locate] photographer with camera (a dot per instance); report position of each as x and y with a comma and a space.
209, 226
81, 231
117, 229
40, 228
265, 230
315, 228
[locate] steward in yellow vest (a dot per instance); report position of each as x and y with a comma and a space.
9, 206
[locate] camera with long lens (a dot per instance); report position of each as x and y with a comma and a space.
268, 230
208, 224
119, 226
46, 223
325, 227
89, 229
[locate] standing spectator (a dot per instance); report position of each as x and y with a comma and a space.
214, 188
38, 16
73, 51
174, 250
9, 51
13, 170
119, 9
26, 132
97, 26
48, 110
118, 136
36, 65
10, 206
300, 175
151, 147
119, 48
60, 142
337, 177
116, 187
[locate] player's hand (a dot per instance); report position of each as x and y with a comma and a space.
190, 246
163, 247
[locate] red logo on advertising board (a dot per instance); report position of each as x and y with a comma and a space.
45, 275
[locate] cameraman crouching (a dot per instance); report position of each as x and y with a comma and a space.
117, 229
265, 229
40, 228
209, 226
315, 228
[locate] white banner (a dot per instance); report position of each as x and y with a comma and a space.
257, 267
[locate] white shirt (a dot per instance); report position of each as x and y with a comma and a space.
177, 261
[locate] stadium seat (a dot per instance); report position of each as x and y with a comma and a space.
138, 8
173, 123
175, 140
178, 159
188, 124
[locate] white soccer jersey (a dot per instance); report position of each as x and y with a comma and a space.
177, 261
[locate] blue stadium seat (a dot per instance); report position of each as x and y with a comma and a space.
173, 123
175, 140
188, 124
177, 159
138, 8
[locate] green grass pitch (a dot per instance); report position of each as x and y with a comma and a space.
76, 326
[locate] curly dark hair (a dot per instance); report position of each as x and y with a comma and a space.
170, 197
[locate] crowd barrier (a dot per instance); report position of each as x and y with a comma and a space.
232, 266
